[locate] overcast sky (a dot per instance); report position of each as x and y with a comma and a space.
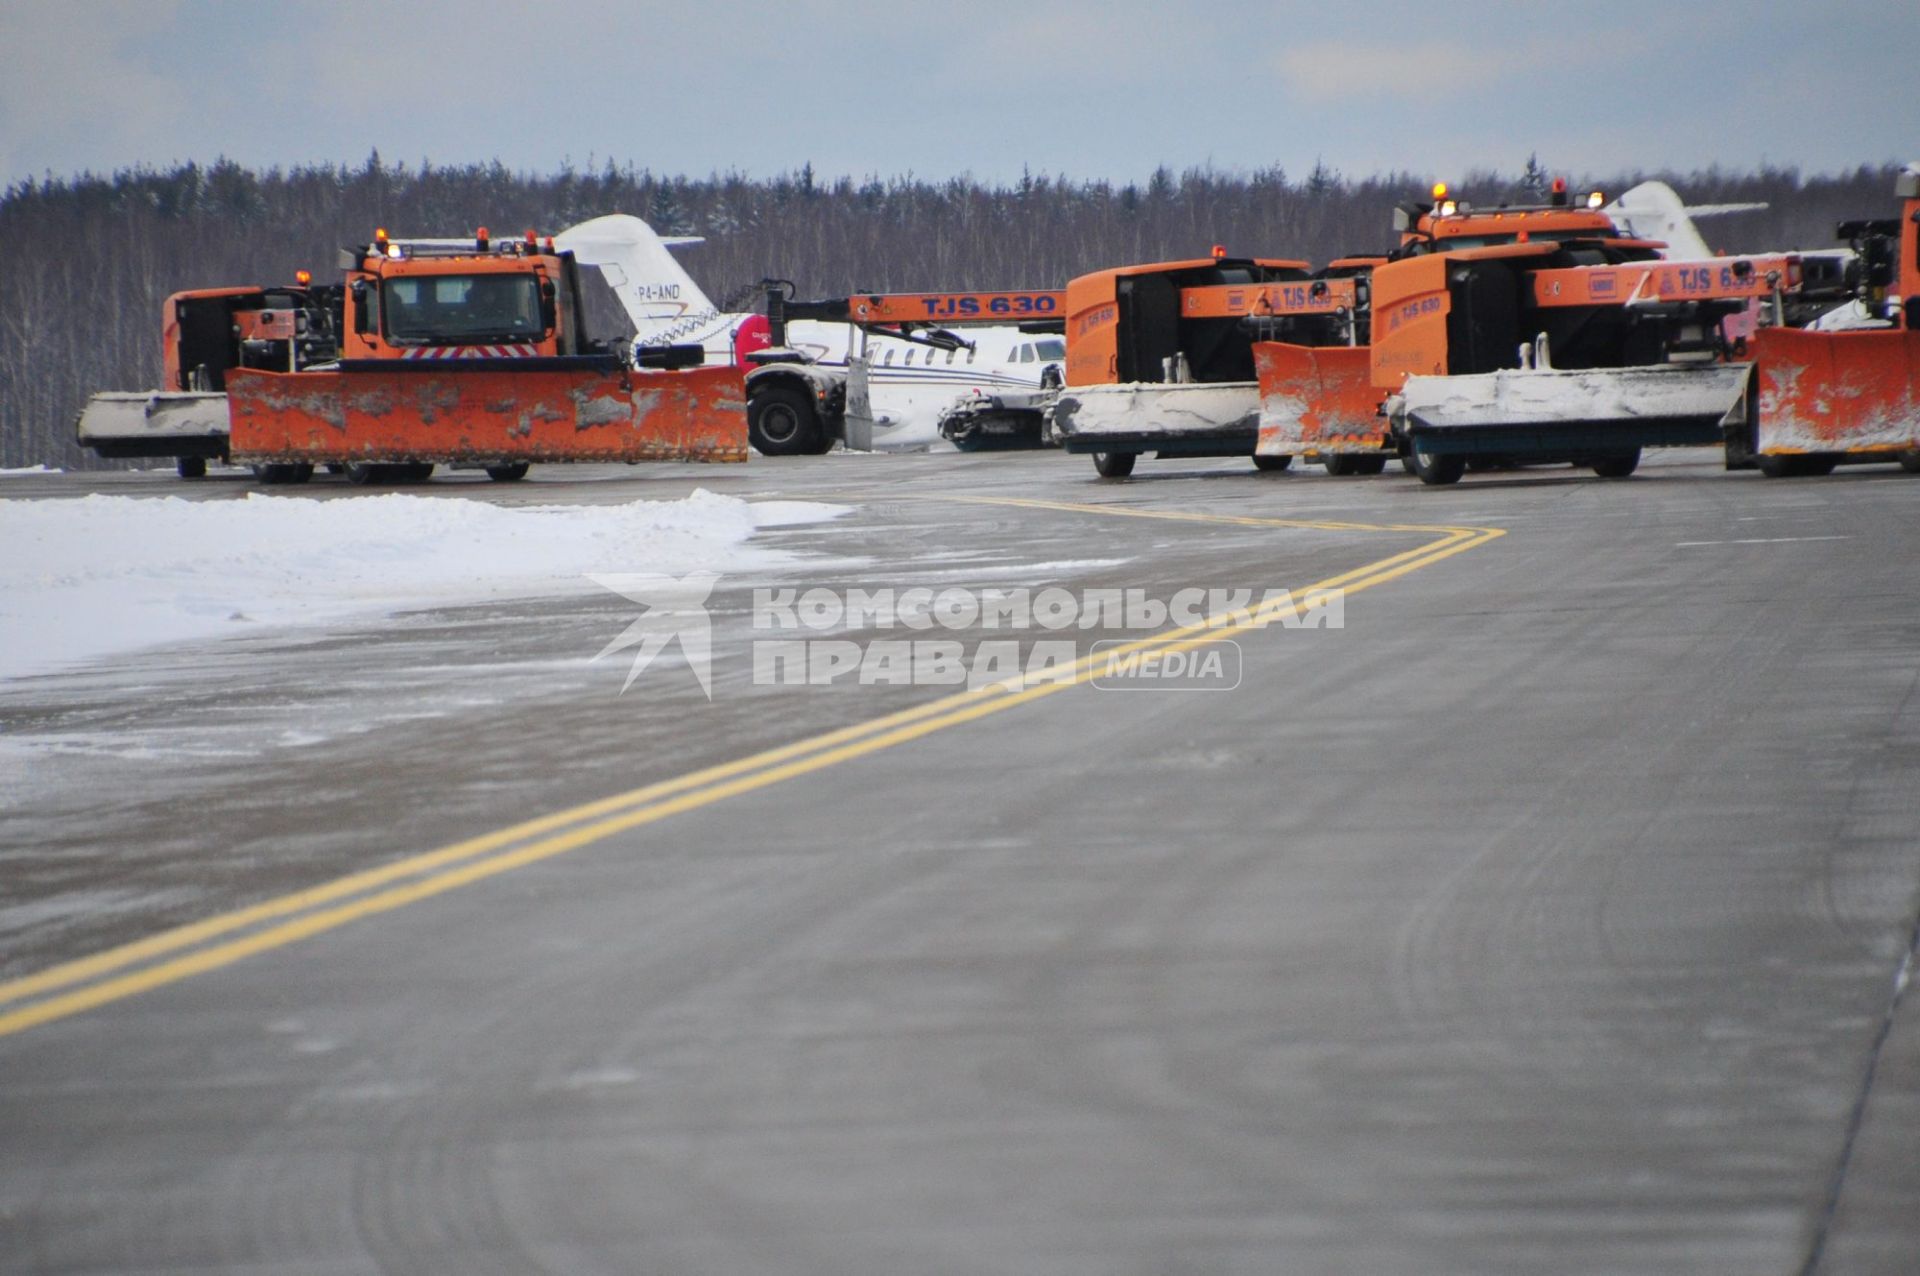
1103, 89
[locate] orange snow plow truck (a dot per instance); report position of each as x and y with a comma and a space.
446, 352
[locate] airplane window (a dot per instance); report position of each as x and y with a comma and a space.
949, 356
909, 358
889, 359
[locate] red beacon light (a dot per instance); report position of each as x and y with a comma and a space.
1219, 252
482, 242
1559, 195
303, 277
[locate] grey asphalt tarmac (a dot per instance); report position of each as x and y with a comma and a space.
1548, 916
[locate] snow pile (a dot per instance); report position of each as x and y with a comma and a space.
84, 578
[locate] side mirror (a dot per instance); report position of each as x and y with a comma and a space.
363, 307
548, 317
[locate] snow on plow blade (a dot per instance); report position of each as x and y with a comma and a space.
1845, 391
1317, 399
1556, 412
1157, 416
155, 423
495, 410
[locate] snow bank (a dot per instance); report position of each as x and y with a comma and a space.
81, 579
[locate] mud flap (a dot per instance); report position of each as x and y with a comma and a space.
1317, 399
1844, 391
492, 414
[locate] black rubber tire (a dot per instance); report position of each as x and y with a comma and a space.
191, 467
283, 472
1271, 464
1360, 466
416, 471
1339, 464
1806, 465
781, 421
1434, 471
1617, 467
1910, 461
507, 473
1114, 464
365, 473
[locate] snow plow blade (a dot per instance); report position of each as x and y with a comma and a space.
1845, 391
1174, 419
155, 423
1317, 399
1553, 412
452, 411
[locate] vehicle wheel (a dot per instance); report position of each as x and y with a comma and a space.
1910, 461
415, 472
1805, 465
781, 422
191, 467
1114, 464
283, 472
1431, 469
1617, 467
1363, 465
363, 473
1338, 464
507, 473
1272, 464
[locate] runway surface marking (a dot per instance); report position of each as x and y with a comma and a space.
98, 980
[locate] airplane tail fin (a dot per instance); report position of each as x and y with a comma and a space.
1652, 210
660, 298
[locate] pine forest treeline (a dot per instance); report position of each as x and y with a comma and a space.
89, 260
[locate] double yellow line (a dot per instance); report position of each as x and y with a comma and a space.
222, 940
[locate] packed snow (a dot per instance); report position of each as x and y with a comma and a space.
87, 578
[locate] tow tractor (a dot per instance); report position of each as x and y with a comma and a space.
798, 404
460, 352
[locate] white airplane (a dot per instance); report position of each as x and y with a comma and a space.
910, 382
1653, 210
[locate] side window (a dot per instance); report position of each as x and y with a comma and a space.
888, 360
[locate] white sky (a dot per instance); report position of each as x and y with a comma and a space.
1094, 89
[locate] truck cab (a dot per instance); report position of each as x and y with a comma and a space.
440, 299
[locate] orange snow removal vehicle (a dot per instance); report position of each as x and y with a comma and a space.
1846, 388
469, 352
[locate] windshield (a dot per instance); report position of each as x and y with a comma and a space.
1051, 348
457, 309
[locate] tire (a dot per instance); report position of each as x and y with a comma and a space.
1348, 464
1807, 465
1617, 467
1271, 464
507, 473
416, 472
365, 473
1431, 469
1339, 464
1114, 464
283, 472
191, 467
1910, 461
781, 421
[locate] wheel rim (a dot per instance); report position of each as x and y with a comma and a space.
779, 422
